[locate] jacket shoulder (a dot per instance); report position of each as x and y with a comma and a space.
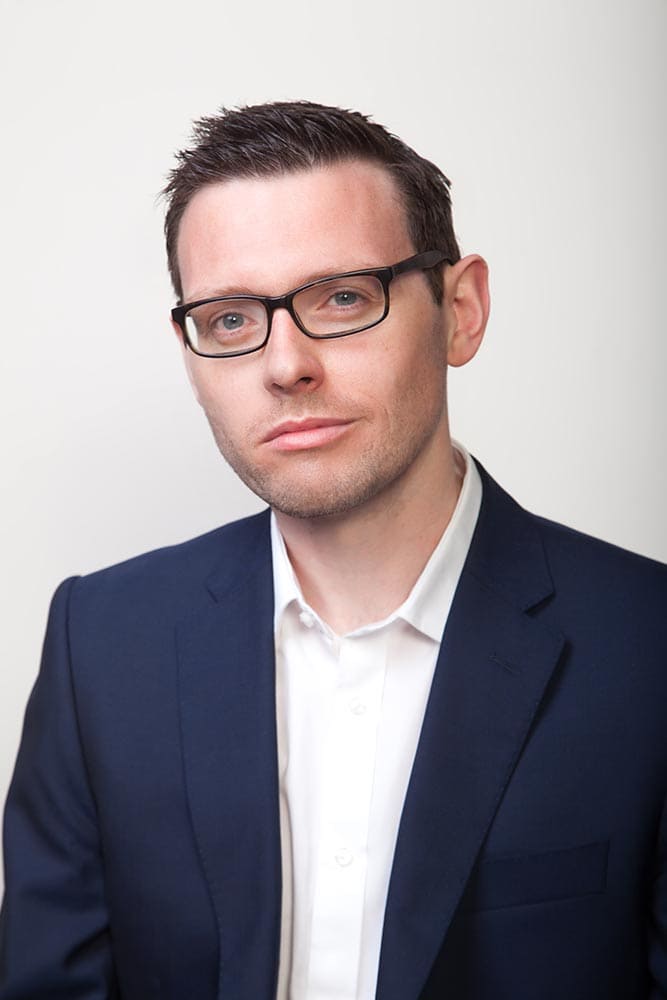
578, 569
602, 566
176, 574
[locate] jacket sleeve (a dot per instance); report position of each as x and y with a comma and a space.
658, 929
54, 928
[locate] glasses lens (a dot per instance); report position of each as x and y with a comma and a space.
341, 305
227, 326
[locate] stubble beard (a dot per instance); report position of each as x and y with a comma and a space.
315, 491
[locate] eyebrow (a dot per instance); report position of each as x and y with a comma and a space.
221, 291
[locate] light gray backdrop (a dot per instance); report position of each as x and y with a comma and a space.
548, 117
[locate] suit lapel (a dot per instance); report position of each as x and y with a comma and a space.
227, 705
494, 665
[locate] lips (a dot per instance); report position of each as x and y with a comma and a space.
299, 435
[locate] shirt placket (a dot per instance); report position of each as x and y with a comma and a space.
346, 792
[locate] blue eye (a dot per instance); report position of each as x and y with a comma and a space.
346, 298
232, 321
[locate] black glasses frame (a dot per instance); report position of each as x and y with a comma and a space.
385, 275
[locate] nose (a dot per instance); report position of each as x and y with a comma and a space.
292, 361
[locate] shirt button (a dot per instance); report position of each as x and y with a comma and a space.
343, 857
357, 706
306, 619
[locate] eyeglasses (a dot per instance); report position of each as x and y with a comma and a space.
337, 306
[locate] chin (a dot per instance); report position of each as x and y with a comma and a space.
323, 489
311, 510
331, 497
306, 505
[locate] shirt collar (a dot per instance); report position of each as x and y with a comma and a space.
286, 589
427, 605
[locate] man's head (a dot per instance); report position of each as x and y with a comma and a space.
320, 427
266, 140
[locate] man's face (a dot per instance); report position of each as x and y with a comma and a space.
317, 427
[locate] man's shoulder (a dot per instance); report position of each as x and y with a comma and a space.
573, 544
579, 564
598, 571
175, 573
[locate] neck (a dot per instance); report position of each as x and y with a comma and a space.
358, 567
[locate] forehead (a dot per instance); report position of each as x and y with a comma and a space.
268, 234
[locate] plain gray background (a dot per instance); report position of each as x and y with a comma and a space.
548, 117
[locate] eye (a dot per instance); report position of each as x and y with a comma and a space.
241, 318
345, 297
230, 321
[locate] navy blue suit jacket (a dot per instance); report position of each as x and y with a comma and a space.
142, 830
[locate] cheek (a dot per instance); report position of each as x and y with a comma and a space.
417, 370
191, 371
223, 401
422, 392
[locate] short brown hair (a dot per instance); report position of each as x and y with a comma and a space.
275, 138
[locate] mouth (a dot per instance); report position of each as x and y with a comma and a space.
300, 435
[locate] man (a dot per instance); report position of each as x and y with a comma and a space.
397, 738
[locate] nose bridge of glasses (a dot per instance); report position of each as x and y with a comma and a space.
273, 303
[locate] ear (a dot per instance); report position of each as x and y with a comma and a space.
467, 301
188, 357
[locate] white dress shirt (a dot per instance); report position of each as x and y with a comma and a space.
349, 711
